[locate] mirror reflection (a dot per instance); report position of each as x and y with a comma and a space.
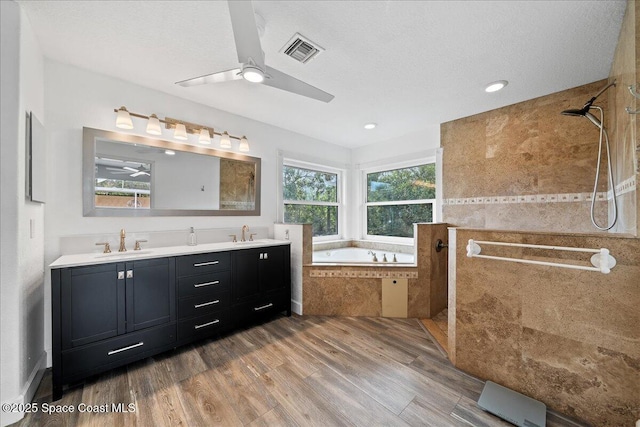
128, 175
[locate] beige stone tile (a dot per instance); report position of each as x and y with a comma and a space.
511, 175
559, 217
467, 179
463, 140
464, 215
606, 379
510, 130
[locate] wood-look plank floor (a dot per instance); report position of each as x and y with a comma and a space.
297, 371
438, 328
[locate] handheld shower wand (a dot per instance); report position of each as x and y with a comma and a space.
584, 112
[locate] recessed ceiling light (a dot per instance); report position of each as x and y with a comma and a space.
496, 86
169, 152
370, 126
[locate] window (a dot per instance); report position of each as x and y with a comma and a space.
311, 195
398, 198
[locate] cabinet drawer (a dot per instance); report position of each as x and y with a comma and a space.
203, 326
204, 284
200, 305
202, 263
112, 351
262, 306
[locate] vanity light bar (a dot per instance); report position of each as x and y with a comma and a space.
170, 123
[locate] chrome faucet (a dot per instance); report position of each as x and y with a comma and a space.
375, 258
244, 228
122, 236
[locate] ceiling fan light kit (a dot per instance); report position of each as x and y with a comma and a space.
181, 129
251, 58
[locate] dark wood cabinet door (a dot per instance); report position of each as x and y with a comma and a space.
273, 268
92, 304
246, 274
151, 293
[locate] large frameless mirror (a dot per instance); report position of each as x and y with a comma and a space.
129, 175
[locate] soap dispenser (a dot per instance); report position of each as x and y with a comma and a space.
192, 238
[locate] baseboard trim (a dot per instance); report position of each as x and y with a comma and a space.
296, 307
28, 391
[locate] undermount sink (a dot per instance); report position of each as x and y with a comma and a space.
250, 242
128, 254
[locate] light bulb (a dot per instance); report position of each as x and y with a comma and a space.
252, 74
180, 132
225, 141
205, 137
496, 86
244, 144
123, 120
153, 125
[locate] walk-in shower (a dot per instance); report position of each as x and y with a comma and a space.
584, 112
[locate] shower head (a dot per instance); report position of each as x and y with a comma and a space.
574, 112
589, 105
584, 113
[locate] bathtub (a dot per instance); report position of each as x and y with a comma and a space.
360, 256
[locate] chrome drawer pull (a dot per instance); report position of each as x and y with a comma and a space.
206, 324
263, 307
204, 304
140, 344
202, 264
199, 285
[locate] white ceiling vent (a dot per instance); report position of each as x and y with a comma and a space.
301, 48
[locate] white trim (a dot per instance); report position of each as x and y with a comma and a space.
296, 307
28, 391
399, 160
435, 157
304, 162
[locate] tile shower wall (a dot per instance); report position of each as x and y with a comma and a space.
622, 125
524, 166
566, 337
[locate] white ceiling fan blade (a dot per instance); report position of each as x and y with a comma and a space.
245, 32
221, 76
138, 174
284, 81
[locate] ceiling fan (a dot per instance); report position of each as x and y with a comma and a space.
127, 170
251, 58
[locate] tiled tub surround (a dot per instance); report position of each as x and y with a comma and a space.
517, 153
566, 337
341, 290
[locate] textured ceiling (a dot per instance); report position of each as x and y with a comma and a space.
406, 65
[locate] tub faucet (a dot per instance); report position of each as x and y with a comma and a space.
375, 258
122, 236
244, 228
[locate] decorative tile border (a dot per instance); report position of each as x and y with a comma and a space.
529, 198
623, 187
369, 274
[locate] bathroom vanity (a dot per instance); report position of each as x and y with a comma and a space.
113, 309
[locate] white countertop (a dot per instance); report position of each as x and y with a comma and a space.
131, 255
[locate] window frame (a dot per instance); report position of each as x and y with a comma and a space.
389, 167
340, 190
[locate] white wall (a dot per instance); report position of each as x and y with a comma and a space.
76, 98
22, 243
